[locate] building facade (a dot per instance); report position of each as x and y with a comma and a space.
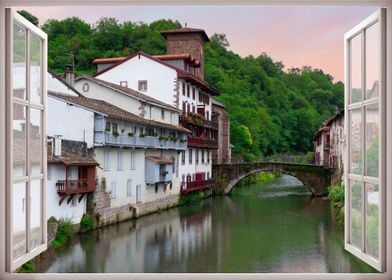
223, 154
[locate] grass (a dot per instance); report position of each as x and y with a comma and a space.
87, 223
336, 196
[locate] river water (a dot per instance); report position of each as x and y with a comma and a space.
264, 227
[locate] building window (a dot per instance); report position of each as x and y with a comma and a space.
124, 83
129, 187
183, 178
193, 93
173, 165
114, 190
202, 156
183, 157
106, 160
197, 156
49, 175
107, 126
114, 128
162, 114
183, 108
190, 156
133, 155
208, 175
73, 201
120, 160
183, 89
208, 156
86, 87
187, 90
142, 86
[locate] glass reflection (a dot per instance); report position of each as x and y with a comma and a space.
19, 61
19, 140
373, 61
356, 213
35, 145
372, 219
35, 69
356, 68
372, 140
19, 219
355, 137
35, 213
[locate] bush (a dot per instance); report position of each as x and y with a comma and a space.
64, 233
27, 268
336, 193
87, 223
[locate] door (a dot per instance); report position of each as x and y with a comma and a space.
25, 141
365, 86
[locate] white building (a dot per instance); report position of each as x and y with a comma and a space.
176, 79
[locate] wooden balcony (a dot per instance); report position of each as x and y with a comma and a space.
69, 187
188, 187
202, 143
198, 120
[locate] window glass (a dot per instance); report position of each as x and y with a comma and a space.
35, 141
373, 61
355, 137
35, 69
19, 61
372, 140
19, 210
372, 219
19, 140
356, 213
356, 68
35, 213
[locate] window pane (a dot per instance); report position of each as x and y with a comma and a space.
19, 140
372, 140
35, 213
373, 61
356, 153
19, 61
35, 142
19, 219
372, 219
356, 213
35, 69
356, 68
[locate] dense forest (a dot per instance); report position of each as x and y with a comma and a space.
272, 110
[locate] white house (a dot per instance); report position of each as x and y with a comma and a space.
177, 79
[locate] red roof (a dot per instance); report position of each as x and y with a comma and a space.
180, 73
108, 60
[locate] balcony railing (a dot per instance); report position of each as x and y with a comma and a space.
187, 187
199, 120
74, 186
202, 143
138, 142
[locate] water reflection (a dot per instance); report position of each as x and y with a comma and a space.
273, 227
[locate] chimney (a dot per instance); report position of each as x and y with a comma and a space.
69, 75
57, 145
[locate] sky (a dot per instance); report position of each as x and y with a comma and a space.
296, 36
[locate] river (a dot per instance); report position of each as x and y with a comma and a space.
264, 227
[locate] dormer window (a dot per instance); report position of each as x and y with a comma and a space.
124, 84
142, 86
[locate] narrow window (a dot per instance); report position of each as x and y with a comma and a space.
129, 187
133, 154
193, 93
187, 90
183, 157
197, 156
120, 161
142, 86
208, 156
106, 160
202, 156
114, 128
190, 156
162, 114
107, 126
114, 190
124, 84
183, 89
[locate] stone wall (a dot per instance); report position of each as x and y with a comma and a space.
223, 153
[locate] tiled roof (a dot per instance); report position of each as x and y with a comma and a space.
113, 111
183, 56
180, 73
68, 158
338, 114
129, 91
186, 30
159, 160
108, 60
320, 131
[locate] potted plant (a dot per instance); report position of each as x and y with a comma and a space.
115, 133
142, 135
130, 134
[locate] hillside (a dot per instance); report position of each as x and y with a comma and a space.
271, 111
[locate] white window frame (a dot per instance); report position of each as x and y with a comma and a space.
106, 160
380, 101
133, 160
113, 189
4, 269
129, 187
120, 160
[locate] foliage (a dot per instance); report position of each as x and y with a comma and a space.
87, 223
27, 267
33, 19
336, 193
64, 233
262, 177
272, 110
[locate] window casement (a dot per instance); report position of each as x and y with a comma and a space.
202, 156
124, 83
114, 128
113, 190
106, 160
162, 114
183, 157
107, 126
183, 88
193, 93
142, 85
197, 156
365, 99
190, 156
129, 187
133, 156
26, 164
120, 160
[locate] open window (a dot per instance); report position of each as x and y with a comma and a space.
25, 140
365, 176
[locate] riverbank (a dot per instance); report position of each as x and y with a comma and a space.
336, 197
262, 177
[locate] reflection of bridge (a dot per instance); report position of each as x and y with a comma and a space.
316, 178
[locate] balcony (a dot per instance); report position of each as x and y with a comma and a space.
69, 187
202, 143
151, 142
188, 187
198, 120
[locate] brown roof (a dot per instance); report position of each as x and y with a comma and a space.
130, 92
159, 160
183, 56
113, 111
320, 131
180, 73
68, 158
338, 114
185, 30
108, 60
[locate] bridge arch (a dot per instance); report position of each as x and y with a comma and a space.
315, 178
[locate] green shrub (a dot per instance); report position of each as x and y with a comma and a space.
27, 267
336, 193
64, 232
87, 223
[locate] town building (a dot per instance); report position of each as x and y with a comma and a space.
223, 154
177, 79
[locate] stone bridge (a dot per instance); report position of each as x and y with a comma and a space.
316, 178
